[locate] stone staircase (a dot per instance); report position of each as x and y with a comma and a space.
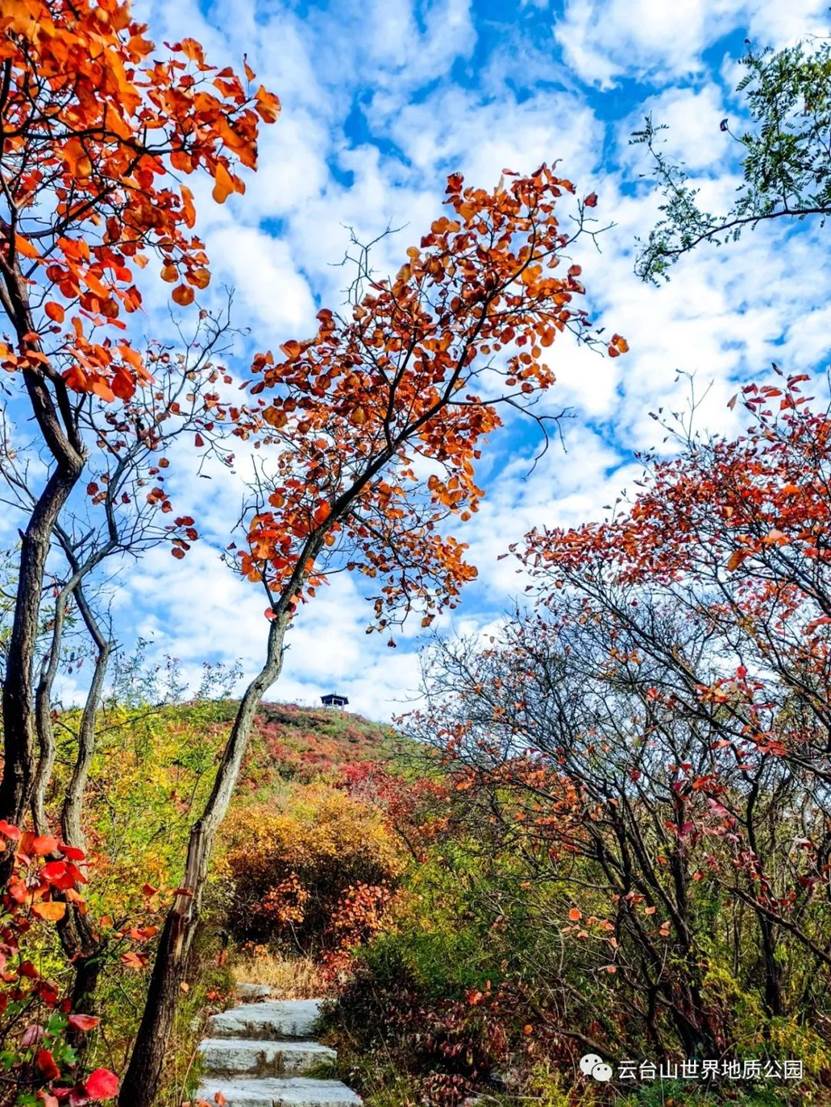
258, 1055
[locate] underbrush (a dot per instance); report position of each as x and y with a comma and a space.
287, 977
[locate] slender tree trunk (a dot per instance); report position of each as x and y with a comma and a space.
73, 804
43, 713
80, 942
774, 1000
19, 716
143, 1074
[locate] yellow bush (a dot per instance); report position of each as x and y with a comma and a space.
290, 868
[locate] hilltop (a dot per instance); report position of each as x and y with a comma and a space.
304, 742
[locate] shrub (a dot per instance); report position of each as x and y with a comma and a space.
302, 875
450, 1048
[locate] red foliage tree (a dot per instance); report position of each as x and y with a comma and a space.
652, 740
371, 432
731, 536
734, 531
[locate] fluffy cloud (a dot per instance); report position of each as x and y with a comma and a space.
604, 41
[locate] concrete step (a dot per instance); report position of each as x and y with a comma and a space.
271, 1020
287, 1092
247, 1057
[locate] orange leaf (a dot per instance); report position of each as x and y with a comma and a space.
54, 311
182, 295
123, 384
24, 246
52, 911
200, 277
192, 49
224, 185
101, 388
43, 845
736, 558
188, 209
268, 105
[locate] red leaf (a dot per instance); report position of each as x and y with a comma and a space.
101, 1084
45, 1064
72, 853
83, 1023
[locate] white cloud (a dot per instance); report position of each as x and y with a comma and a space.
692, 119
456, 129
271, 292
605, 40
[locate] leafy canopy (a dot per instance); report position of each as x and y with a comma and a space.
784, 157
374, 425
97, 131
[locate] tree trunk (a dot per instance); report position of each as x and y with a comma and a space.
73, 804
774, 1000
19, 722
80, 942
143, 1074
43, 713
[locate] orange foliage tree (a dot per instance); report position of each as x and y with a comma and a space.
370, 434
96, 132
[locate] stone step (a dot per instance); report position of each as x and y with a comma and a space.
271, 1020
247, 1057
276, 1092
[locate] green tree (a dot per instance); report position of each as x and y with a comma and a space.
784, 155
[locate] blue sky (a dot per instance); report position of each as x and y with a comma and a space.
383, 98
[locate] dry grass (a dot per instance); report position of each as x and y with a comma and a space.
288, 977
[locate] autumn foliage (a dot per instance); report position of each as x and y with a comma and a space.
420, 367
37, 1022
98, 132
301, 877
367, 438
635, 842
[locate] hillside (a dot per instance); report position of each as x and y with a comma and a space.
300, 742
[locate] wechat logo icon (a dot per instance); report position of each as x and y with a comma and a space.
596, 1067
